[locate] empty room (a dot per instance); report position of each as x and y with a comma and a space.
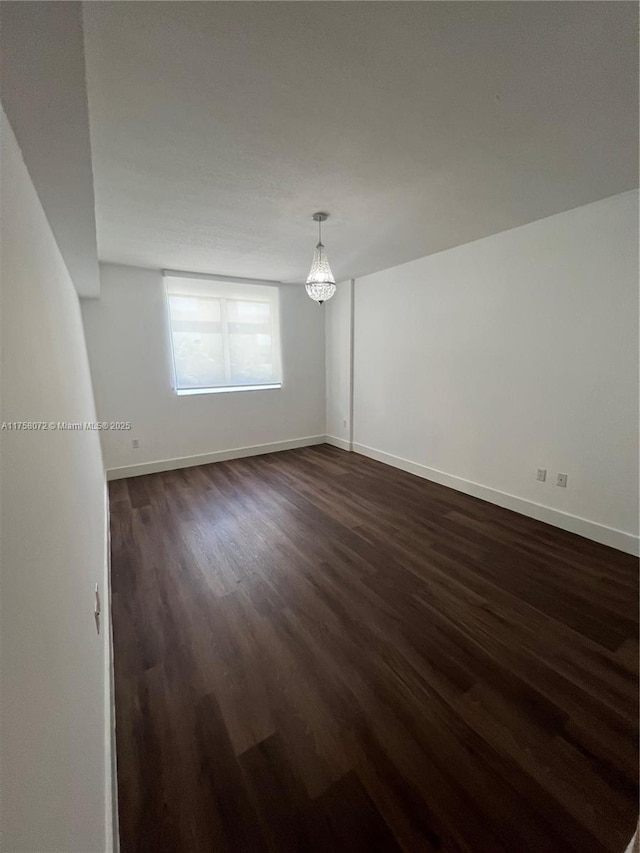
319, 485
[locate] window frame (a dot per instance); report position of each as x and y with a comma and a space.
195, 287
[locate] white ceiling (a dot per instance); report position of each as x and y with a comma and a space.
218, 128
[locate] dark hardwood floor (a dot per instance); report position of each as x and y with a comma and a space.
317, 652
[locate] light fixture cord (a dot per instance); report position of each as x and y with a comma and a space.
319, 231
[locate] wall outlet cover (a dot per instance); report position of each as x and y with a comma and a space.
561, 480
541, 475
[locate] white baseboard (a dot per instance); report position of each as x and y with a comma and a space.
632, 844
574, 524
342, 443
204, 458
112, 834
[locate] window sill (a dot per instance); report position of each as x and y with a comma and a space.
189, 392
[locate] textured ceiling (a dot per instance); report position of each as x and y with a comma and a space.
219, 128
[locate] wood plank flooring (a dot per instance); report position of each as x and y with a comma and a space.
317, 652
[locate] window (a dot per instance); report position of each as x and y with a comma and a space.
224, 336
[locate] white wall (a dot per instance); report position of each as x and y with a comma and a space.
515, 352
44, 95
338, 364
55, 774
129, 352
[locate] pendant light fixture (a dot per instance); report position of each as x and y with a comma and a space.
321, 285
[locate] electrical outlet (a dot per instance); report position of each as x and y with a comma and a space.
541, 475
135, 443
561, 480
96, 607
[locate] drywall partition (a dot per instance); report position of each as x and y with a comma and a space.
477, 366
43, 90
55, 767
339, 364
129, 351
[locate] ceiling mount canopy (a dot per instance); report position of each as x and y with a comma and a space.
321, 285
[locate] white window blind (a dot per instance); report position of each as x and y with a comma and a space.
224, 336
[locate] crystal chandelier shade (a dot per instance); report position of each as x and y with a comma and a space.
320, 292
321, 285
